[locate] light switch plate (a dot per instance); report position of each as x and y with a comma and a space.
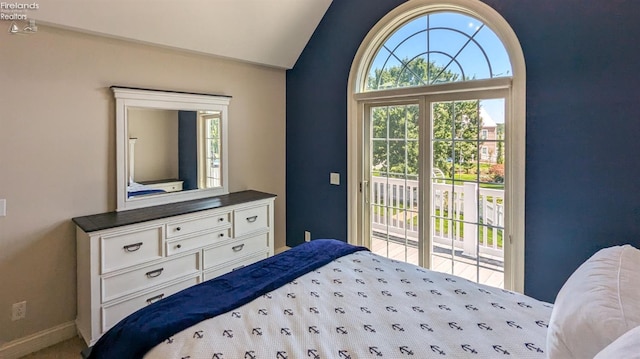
3, 207
335, 178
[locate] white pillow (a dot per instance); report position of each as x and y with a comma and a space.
627, 347
599, 302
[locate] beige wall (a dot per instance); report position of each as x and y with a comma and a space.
156, 148
57, 155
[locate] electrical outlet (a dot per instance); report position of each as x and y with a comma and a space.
334, 178
307, 236
19, 311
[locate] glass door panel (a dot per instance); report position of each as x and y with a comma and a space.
394, 181
467, 189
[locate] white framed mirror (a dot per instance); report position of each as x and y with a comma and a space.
170, 146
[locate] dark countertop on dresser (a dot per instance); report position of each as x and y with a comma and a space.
114, 219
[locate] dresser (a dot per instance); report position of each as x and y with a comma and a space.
168, 185
130, 259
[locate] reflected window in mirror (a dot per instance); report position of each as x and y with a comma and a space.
170, 146
209, 122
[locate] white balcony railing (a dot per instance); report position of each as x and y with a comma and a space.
457, 213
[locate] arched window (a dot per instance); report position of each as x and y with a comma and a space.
436, 141
437, 48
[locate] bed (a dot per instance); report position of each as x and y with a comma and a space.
328, 299
135, 189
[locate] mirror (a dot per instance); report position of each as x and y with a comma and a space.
170, 146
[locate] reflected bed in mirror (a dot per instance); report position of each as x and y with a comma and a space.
171, 146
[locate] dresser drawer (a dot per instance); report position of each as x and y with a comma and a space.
198, 241
215, 272
235, 250
176, 229
127, 249
172, 186
112, 314
250, 220
139, 279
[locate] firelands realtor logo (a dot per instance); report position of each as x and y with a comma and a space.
16, 14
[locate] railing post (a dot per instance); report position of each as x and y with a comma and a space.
470, 208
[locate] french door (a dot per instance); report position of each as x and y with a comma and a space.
393, 178
434, 182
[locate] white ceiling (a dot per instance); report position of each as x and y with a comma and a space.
268, 32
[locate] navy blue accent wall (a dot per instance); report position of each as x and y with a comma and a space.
583, 128
188, 149
316, 120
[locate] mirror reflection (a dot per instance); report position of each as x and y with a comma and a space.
172, 151
171, 146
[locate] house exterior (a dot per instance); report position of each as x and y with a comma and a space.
488, 132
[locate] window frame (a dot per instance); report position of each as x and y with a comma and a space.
515, 117
203, 156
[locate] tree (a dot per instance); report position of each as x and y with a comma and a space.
455, 132
414, 72
395, 128
395, 145
500, 136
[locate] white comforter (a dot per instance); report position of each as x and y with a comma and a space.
367, 306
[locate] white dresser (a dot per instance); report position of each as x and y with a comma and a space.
127, 260
169, 185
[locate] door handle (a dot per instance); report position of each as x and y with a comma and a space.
154, 273
132, 247
238, 248
155, 299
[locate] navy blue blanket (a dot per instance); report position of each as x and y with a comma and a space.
144, 192
144, 329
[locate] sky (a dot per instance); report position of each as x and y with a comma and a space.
447, 39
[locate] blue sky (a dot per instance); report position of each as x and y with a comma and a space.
449, 32
495, 109
449, 37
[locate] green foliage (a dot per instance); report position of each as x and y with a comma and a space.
395, 131
500, 136
457, 121
415, 72
395, 140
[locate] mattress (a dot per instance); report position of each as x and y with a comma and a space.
352, 304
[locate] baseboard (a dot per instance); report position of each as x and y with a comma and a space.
281, 249
34, 342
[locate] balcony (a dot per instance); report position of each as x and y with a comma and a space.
467, 227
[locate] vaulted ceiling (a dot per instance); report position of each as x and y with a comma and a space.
267, 32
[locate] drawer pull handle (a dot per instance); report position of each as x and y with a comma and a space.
155, 273
155, 299
132, 247
178, 229
252, 219
221, 219
238, 248
221, 235
236, 268
179, 246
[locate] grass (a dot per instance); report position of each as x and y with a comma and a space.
471, 177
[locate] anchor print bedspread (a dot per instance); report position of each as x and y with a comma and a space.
366, 306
